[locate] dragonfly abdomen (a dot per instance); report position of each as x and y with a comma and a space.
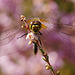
35, 48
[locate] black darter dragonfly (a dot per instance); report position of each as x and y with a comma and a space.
33, 29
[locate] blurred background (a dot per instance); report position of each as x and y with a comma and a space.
17, 57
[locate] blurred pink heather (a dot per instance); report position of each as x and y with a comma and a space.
17, 57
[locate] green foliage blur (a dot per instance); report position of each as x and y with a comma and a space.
64, 5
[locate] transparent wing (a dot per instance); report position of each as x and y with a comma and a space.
8, 35
54, 34
37, 19
63, 28
15, 46
69, 30
9, 43
54, 37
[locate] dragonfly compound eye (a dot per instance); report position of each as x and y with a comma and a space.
35, 25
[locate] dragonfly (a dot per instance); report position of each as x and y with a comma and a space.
34, 29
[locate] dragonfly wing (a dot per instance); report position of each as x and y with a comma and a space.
9, 34
63, 28
37, 19
69, 30
16, 46
9, 44
53, 39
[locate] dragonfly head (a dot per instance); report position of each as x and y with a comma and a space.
35, 26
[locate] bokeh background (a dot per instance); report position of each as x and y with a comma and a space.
17, 57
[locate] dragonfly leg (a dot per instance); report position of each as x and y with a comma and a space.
40, 33
40, 41
22, 35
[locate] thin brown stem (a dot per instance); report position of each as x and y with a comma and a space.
47, 60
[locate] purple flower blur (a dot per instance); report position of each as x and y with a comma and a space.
16, 57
